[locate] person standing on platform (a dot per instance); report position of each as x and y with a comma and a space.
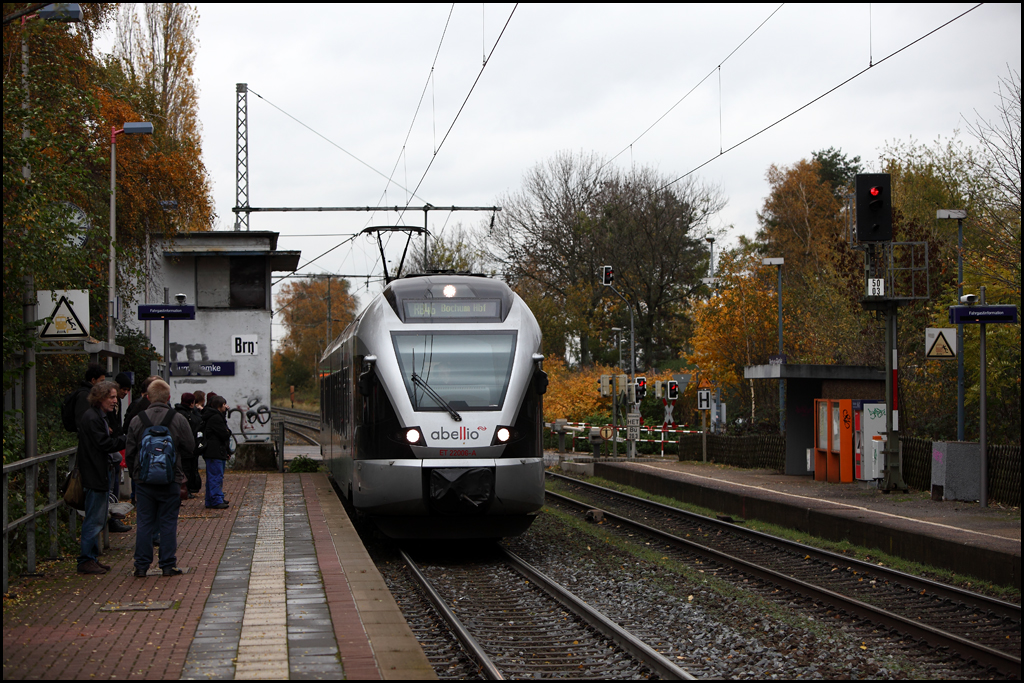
191, 465
218, 439
124, 387
97, 448
94, 374
158, 504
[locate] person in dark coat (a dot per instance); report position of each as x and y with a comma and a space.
139, 404
124, 387
94, 374
97, 448
158, 504
218, 440
191, 465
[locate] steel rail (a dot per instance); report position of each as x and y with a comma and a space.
471, 644
969, 650
1002, 608
308, 439
296, 413
620, 636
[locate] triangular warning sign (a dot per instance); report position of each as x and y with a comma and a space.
940, 349
705, 383
64, 323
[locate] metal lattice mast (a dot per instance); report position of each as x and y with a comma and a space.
241, 157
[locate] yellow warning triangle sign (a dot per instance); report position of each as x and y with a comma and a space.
941, 349
705, 383
64, 323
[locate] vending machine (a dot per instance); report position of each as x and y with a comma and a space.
870, 424
833, 440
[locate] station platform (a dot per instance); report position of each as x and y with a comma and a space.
955, 535
277, 586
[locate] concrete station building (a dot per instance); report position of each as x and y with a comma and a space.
227, 348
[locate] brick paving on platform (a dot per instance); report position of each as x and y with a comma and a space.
53, 626
279, 586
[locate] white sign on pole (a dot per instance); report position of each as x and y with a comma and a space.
876, 286
940, 343
68, 311
703, 399
633, 426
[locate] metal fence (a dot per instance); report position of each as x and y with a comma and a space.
30, 471
763, 451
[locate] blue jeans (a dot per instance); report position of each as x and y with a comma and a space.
156, 513
95, 518
214, 482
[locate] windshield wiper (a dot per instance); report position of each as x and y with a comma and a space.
418, 381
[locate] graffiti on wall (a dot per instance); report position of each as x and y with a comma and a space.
253, 413
195, 365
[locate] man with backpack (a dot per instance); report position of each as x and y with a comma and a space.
157, 442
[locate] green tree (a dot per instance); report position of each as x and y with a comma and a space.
455, 249
575, 215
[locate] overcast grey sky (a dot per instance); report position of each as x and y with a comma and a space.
567, 77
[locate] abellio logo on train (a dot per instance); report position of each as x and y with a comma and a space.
460, 434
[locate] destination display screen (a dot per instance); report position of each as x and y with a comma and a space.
453, 309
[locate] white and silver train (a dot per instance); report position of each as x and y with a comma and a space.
431, 409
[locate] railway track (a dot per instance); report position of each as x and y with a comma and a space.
515, 622
299, 423
978, 628
291, 415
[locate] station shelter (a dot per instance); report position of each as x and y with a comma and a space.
816, 397
227, 348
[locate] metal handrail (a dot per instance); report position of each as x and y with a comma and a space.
31, 468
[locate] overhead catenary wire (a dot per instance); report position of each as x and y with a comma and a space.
821, 96
691, 90
325, 138
487, 61
402, 153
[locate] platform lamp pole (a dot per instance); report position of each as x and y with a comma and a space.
782, 390
129, 129
959, 215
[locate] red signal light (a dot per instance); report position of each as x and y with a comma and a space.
875, 191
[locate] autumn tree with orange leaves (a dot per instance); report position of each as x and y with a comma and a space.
314, 312
61, 101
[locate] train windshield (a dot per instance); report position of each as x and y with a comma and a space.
469, 370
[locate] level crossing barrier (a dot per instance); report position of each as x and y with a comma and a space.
655, 434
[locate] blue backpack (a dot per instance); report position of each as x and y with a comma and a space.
156, 452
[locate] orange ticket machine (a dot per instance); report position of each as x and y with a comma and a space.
833, 440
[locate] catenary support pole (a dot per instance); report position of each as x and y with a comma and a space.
983, 426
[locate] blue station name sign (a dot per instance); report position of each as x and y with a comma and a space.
167, 312
966, 315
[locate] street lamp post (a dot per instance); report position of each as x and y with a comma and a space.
129, 129
782, 393
959, 215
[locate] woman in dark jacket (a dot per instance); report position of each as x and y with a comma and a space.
218, 439
97, 451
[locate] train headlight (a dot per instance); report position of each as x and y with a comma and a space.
449, 291
504, 434
413, 435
